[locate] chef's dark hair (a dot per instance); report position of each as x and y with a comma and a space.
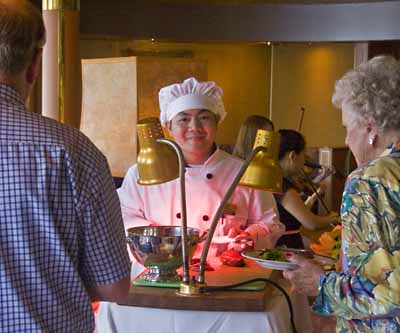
291, 140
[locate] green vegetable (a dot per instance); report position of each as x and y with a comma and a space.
274, 255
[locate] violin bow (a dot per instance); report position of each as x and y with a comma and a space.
302, 110
315, 191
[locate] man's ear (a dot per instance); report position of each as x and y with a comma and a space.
168, 125
33, 68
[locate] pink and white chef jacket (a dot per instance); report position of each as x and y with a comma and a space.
206, 185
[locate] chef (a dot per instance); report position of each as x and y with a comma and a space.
191, 111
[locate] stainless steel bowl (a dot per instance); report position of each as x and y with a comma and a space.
159, 248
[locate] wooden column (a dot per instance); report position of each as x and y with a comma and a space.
360, 53
61, 75
364, 51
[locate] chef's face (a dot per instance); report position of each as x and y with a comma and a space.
194, 130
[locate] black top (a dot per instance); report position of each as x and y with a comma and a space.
291, 223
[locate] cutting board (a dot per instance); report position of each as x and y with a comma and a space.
221, 276
231, 300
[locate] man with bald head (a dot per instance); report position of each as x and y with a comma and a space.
62, 241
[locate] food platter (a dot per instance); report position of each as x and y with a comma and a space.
272, 264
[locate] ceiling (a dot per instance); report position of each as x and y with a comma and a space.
247, 2
242, 20
236, 2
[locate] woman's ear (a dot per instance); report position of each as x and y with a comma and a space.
291, 156
372, 131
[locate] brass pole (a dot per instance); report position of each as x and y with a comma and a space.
61, 62
61, 4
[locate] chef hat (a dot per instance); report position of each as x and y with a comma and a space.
190, 94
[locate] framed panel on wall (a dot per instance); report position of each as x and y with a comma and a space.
109, 109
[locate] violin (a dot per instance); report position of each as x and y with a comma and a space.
303, 180
303, 184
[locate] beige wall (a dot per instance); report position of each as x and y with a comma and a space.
242, 70
304, 75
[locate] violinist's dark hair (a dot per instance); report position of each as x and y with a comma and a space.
291, 140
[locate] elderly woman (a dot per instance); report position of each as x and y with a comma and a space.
365, 296
191, 112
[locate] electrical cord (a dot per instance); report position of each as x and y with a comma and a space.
227, 287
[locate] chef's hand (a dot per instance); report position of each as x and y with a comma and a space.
242, 240
305, 278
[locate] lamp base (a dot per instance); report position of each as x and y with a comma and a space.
191, 289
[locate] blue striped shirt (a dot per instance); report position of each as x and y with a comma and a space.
61, 229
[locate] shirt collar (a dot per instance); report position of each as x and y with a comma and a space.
217, 155
9, 94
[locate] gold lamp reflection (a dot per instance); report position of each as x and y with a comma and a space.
264, 171
157, 164
159, 161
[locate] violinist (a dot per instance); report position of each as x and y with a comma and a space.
294, 212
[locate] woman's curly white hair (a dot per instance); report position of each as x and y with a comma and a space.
373, 89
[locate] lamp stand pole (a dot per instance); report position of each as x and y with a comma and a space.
219, 212
185, 255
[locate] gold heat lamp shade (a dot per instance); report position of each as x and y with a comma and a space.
264, 171
157, 162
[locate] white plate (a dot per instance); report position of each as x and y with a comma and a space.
272, 264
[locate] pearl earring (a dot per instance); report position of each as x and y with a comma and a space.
370, 140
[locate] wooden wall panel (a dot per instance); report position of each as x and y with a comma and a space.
109, 109
155, 73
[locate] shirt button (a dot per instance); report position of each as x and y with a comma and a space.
178, 215
205, 218
209, 175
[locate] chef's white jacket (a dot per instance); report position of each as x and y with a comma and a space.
205, 187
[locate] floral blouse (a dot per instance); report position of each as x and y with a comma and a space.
365, 296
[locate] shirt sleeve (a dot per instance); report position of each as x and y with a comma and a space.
370, 285
103, 253
262, 212
132, 205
